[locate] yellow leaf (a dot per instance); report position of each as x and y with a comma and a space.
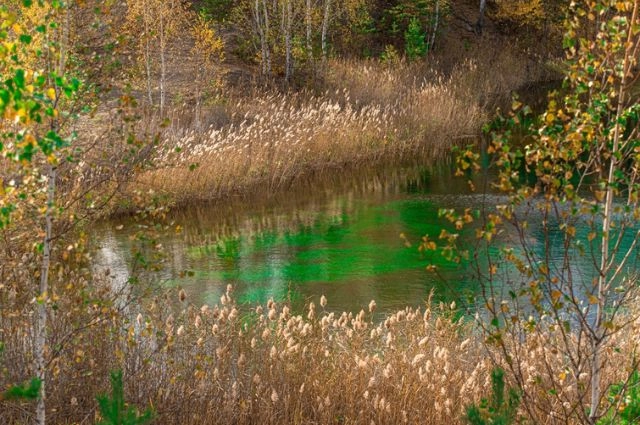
550, 118
51, 94
593, 299
555, 295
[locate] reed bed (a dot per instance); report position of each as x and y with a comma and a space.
268, 365
379, 114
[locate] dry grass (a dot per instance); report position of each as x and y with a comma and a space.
226, 364
273, 367
362, 113
268, 366
378, 114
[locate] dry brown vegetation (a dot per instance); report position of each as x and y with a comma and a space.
268, 365
365, 113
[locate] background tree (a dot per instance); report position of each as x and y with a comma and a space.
415, 45
411, 16
577, 168
207, 52
33, 94
154, 25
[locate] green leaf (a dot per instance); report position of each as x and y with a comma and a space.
29, 392
5, 98
115, 411
19, 79
25, 38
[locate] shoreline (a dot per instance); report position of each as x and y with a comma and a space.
275, 141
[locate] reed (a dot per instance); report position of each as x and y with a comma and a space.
379, 114
268, 365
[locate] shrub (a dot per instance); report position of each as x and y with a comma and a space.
626, 396
415, 45
497, 410
115, 411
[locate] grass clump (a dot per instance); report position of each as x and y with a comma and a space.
225, 363
497, 410
358, 113
363, 113
115, 411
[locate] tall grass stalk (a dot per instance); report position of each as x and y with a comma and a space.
372, 114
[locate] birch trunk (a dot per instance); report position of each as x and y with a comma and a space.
147, 52
163, 68
308, 22
64, 41
265, 11
287, 42
602, 294
198, 89
480, 21
41, 325
435, 26
260, 30
325, 27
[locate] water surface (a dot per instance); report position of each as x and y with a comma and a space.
351, 237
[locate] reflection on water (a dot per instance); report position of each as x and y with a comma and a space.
340, 236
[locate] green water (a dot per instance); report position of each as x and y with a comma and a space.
338, 236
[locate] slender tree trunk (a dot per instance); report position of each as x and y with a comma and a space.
257, 17
325, 27
603, 282
198, 93
147, 52
163, 65
480, 21
287, 42
64, 40
435, 26
308, 22
41, 325
283, 20
266, 35
598, 338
